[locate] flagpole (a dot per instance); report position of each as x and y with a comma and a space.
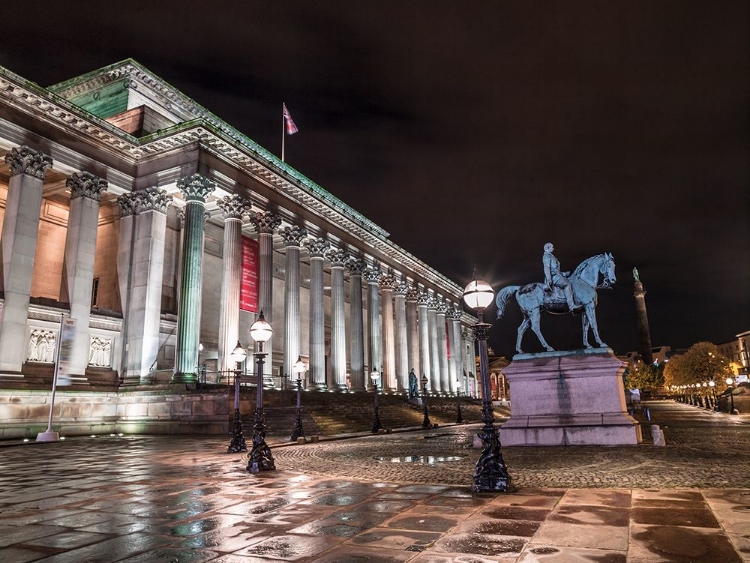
283, 136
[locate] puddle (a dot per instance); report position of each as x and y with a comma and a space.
423, 459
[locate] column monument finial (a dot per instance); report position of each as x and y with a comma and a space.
196, 187
86, 185
25, 160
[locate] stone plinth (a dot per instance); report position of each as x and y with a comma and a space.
568, 398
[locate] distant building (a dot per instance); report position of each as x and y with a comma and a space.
737, 352
660, 354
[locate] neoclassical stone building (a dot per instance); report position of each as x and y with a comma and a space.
163, 231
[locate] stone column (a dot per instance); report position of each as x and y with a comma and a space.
445, 381
356, 267
140, 265
293, 237
388, 375
424, 338
371, 276
338, 258
317, 370
233, 208
402, 346
20, 227
266, 223
457, 348
644, 334
80, 252
412, 330
195, 189
471, 358
435, 378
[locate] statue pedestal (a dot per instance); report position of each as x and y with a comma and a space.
568, 398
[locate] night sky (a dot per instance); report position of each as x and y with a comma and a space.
474, 132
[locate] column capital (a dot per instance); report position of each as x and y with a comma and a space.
337, 257
356, 266
25, 160
266, 222
442, 306
86, 185
234, 207
453, 313
412, 294
402, 288
293, 236
432, 302
127, 204
423, 298
372, 274
386, 281
196, 187
151, 199
317, 247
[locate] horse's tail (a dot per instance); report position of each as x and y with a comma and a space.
502, 298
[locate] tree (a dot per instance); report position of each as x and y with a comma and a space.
646, 376
700, 364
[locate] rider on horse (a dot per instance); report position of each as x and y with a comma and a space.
553, 276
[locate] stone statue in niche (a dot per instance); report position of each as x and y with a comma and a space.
99, 351
41, 346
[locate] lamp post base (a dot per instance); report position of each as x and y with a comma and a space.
298, 431
376, 426
237, 443
491, 474
459, 416
260, 458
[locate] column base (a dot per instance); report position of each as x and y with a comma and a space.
184, 378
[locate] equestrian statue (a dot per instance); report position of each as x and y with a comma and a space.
561, 293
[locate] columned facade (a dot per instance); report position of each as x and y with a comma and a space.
338, 259
356, 267
387, 284
293, 237
317, 248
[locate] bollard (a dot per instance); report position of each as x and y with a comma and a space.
658, 435
301, 440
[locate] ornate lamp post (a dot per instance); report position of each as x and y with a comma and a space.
459, 418
260, 458
298, 432
237, 443
730, 383
491, 474
426, 423
712, 385
376, 426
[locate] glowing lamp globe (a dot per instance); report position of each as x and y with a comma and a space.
238, 355
261, 331
299, 366
478, 295
375, 376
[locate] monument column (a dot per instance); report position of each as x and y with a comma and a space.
80, 252
371, 276
19, 236
644, 334
445, 382
412, 330
233, 208
293, 237
424, 337
140, 267
402, 347
387, 283
195, 189
317, 370
436, 376
356, 324
266, 223
338, 258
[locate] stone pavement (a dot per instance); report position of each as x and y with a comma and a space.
159, 499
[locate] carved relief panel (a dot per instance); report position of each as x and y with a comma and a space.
41, 346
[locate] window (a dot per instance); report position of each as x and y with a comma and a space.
94, 292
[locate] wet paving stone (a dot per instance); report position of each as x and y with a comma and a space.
583, 536
67, 540
289, 548
396, 539
695, 518
345, 554
20, 555
681, 545
423, 522
583, 514
518, 528
516, 513
545, 554
171, 555
481, 544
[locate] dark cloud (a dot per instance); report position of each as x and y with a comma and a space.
476, 131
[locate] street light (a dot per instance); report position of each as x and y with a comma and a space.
730, 383
260, 458
459, 418
491, 474
299, 369
712, 385
237, 443
426, 423
376, 426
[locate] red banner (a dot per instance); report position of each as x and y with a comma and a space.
249, 287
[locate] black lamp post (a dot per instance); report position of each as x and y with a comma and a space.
260, 458
491, 474
712, 385
298, 432
730, 383
459, 418
426, 423
376, 426
237, 443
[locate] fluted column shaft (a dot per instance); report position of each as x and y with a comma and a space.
471, 357
356, 325
317, 369
457, 353
80, 253
19, 237
293, 237
389, 345
233, 208
195, 189
412, 331
435, 379
402, 347
445, 382
424, 339
266, 223
373, 320
338, 329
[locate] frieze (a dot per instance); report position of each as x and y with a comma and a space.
25, 160
86, 185
317, 247
266, 221
293, 236
337, 257
196, 187
234, 206
44, 315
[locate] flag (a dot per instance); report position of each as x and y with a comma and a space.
291, 128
